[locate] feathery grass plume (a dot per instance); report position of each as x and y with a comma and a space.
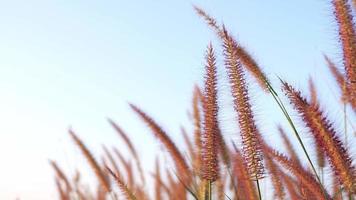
223, 149
276, 179
290, 186
347, 34
124, 136
325, 135
340, 79
314, 102
160, 134
100, 193
79, 191
62, 194
252, 152
220, 187
209, 20
188, 143
111, 159
312, 91
246, 59
172, 184
127, 166
307, 178
158, 181
210, 143
131, 147
164, 186
246, 188
287, 143
104, 182
197, 100
124, 189
61, 176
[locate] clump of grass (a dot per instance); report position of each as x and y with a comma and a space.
215, 170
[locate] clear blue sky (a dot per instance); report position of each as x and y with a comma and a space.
75, 63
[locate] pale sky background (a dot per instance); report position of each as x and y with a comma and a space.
75, 63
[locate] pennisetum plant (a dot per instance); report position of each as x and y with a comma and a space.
214, 170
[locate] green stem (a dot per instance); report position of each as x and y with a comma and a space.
208, 193
259, 189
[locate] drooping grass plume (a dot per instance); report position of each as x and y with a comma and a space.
104, 182
312, 92
61, 176
325, 135
290, 186
307, 178
245, 58
111, 160
188, 143
158, 181
128, 194
340, 79
160, 134
246, 188
127, 166
276, 178
314, 102
347, 34
131, 147
124, 136
287, 143
223, 149
62, 194
197, 101
210, 140
252, 152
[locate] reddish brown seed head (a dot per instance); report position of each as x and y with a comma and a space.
252, 151
210, 165
325, 136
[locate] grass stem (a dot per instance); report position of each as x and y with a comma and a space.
259, 190
208, 193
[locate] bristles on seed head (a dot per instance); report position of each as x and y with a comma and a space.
274, 172
340, 79
246, 59
312, 91
104, 182
61, 176
325, 136
196, 104
240, 170
209, 20
306, 177
347, 34
287, 143
128, 194
131, 147
125, 138
162, 136
252, 152
210, 143
314, 102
